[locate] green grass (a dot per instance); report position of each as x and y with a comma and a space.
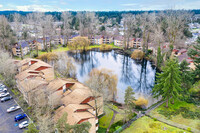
62, 49
194, 123
148, 125
105, 120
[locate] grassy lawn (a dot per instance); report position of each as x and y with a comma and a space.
148, 125
105, 120
62, 49
180, 112
118, 116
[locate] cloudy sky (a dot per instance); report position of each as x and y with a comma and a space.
97, 5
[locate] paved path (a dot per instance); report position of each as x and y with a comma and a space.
154, 107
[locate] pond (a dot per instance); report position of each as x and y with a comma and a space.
139, 75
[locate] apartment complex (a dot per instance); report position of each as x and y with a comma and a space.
20, 48
71, 96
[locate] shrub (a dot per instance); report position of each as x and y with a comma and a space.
116, 126
149, 51
155, 125
137, 54
105, 47
189, 129
141, 102
154, 119
48, 57
101, 130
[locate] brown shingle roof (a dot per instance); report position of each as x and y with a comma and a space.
24, 74
57, 83
73, 117
31, 84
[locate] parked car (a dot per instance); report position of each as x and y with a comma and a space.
23, 124
13, 108
20, 117
4, 94
2, 85
3, 90
6, 98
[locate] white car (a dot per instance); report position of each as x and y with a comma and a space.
2, 85
3, 89
23, 124
4, 94
13, 108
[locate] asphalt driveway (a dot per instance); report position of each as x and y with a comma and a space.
7, 123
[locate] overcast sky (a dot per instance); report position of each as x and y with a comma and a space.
97, 5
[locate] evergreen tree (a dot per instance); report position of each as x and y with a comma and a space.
195, 55
168, 84
186, 75
129, 103
159, 58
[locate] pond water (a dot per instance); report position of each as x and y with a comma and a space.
139, 75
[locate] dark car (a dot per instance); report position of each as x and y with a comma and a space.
6, 98
20, 117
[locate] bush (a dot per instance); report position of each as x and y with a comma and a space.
141, 102
149, 51
15, 92
116, 126
48, 57
105, 47
154, 119
101, 130
189, 129
137, 54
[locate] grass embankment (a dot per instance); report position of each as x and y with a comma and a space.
62, 49
105, 120
180, 112
120, 115
148, 125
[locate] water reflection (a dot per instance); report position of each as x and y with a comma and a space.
139, 75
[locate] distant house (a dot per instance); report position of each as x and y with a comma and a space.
63, 39
135, 43
98, 39
119, 41
23, 45
107, 39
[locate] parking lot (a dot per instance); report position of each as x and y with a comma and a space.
7, 123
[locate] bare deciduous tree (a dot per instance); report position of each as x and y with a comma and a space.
6, 35
129, 27
67, 19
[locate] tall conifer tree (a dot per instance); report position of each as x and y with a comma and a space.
168, 84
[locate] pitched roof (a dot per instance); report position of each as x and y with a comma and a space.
31, 84
39, 64
57, 83
73, 117
182, 57
118, 38
24, 74
23, 44
76, 96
